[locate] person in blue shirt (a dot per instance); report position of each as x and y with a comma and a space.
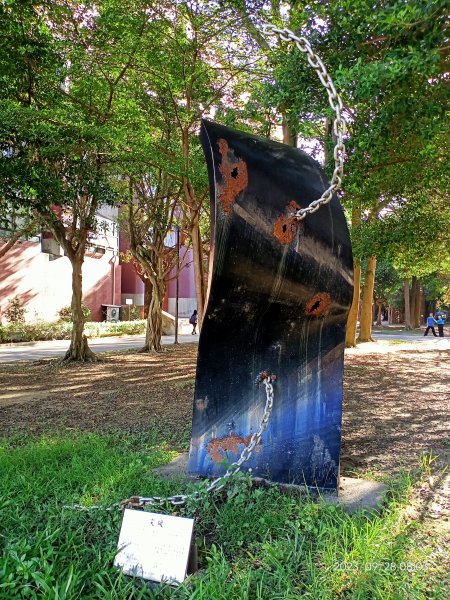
430, 325
440, 323
193, 321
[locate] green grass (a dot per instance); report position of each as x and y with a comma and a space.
253, 543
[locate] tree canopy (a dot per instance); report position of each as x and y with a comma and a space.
95, 94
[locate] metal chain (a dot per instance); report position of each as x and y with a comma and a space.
178, 500
219, 483
335, 101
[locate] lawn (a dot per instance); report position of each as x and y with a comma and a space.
93, 437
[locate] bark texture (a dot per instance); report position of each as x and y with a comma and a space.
350, 334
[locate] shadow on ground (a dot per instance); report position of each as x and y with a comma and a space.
396, 404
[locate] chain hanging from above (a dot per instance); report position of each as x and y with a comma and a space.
335, 101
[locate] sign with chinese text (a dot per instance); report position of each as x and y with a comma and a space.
154, 546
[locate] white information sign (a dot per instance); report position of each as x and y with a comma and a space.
154, 546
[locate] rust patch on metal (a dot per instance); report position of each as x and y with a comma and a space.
229, 443
318, 305
234, 175
286, 225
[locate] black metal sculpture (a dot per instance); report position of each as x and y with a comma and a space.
278, 298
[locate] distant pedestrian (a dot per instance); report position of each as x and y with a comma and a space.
193, 320
430, 325
440, 323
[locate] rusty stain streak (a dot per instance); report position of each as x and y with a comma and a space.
229, 443
318, 305
286, 225
234, 175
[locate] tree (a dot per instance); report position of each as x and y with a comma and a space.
63, 121
389, 65
191, 67
151, 212
416, 241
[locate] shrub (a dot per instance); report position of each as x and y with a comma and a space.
61, 330
65, 313
15, 311
134, 313
107, 328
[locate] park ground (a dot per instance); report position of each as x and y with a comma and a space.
396, 412
396, 399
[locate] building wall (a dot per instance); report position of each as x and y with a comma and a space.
186, 286
43, 281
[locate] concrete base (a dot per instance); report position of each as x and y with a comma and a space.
357, 494
354, 494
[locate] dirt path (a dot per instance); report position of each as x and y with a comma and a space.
396, 406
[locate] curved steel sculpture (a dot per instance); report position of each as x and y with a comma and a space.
278, 298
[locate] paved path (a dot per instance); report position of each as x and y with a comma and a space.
57, 348
406, 336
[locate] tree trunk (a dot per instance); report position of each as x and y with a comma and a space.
379, 313
412, 303
350, 334
365, 332
153, 330
148, 293
407, 306
193, 213
78, 349
199, 271
289, 137
415, 304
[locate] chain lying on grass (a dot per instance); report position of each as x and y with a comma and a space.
336, 104
217, 484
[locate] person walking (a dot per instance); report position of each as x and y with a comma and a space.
430, 325
193, 320
440, 323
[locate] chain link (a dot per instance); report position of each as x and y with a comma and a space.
217, 484
335, 101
